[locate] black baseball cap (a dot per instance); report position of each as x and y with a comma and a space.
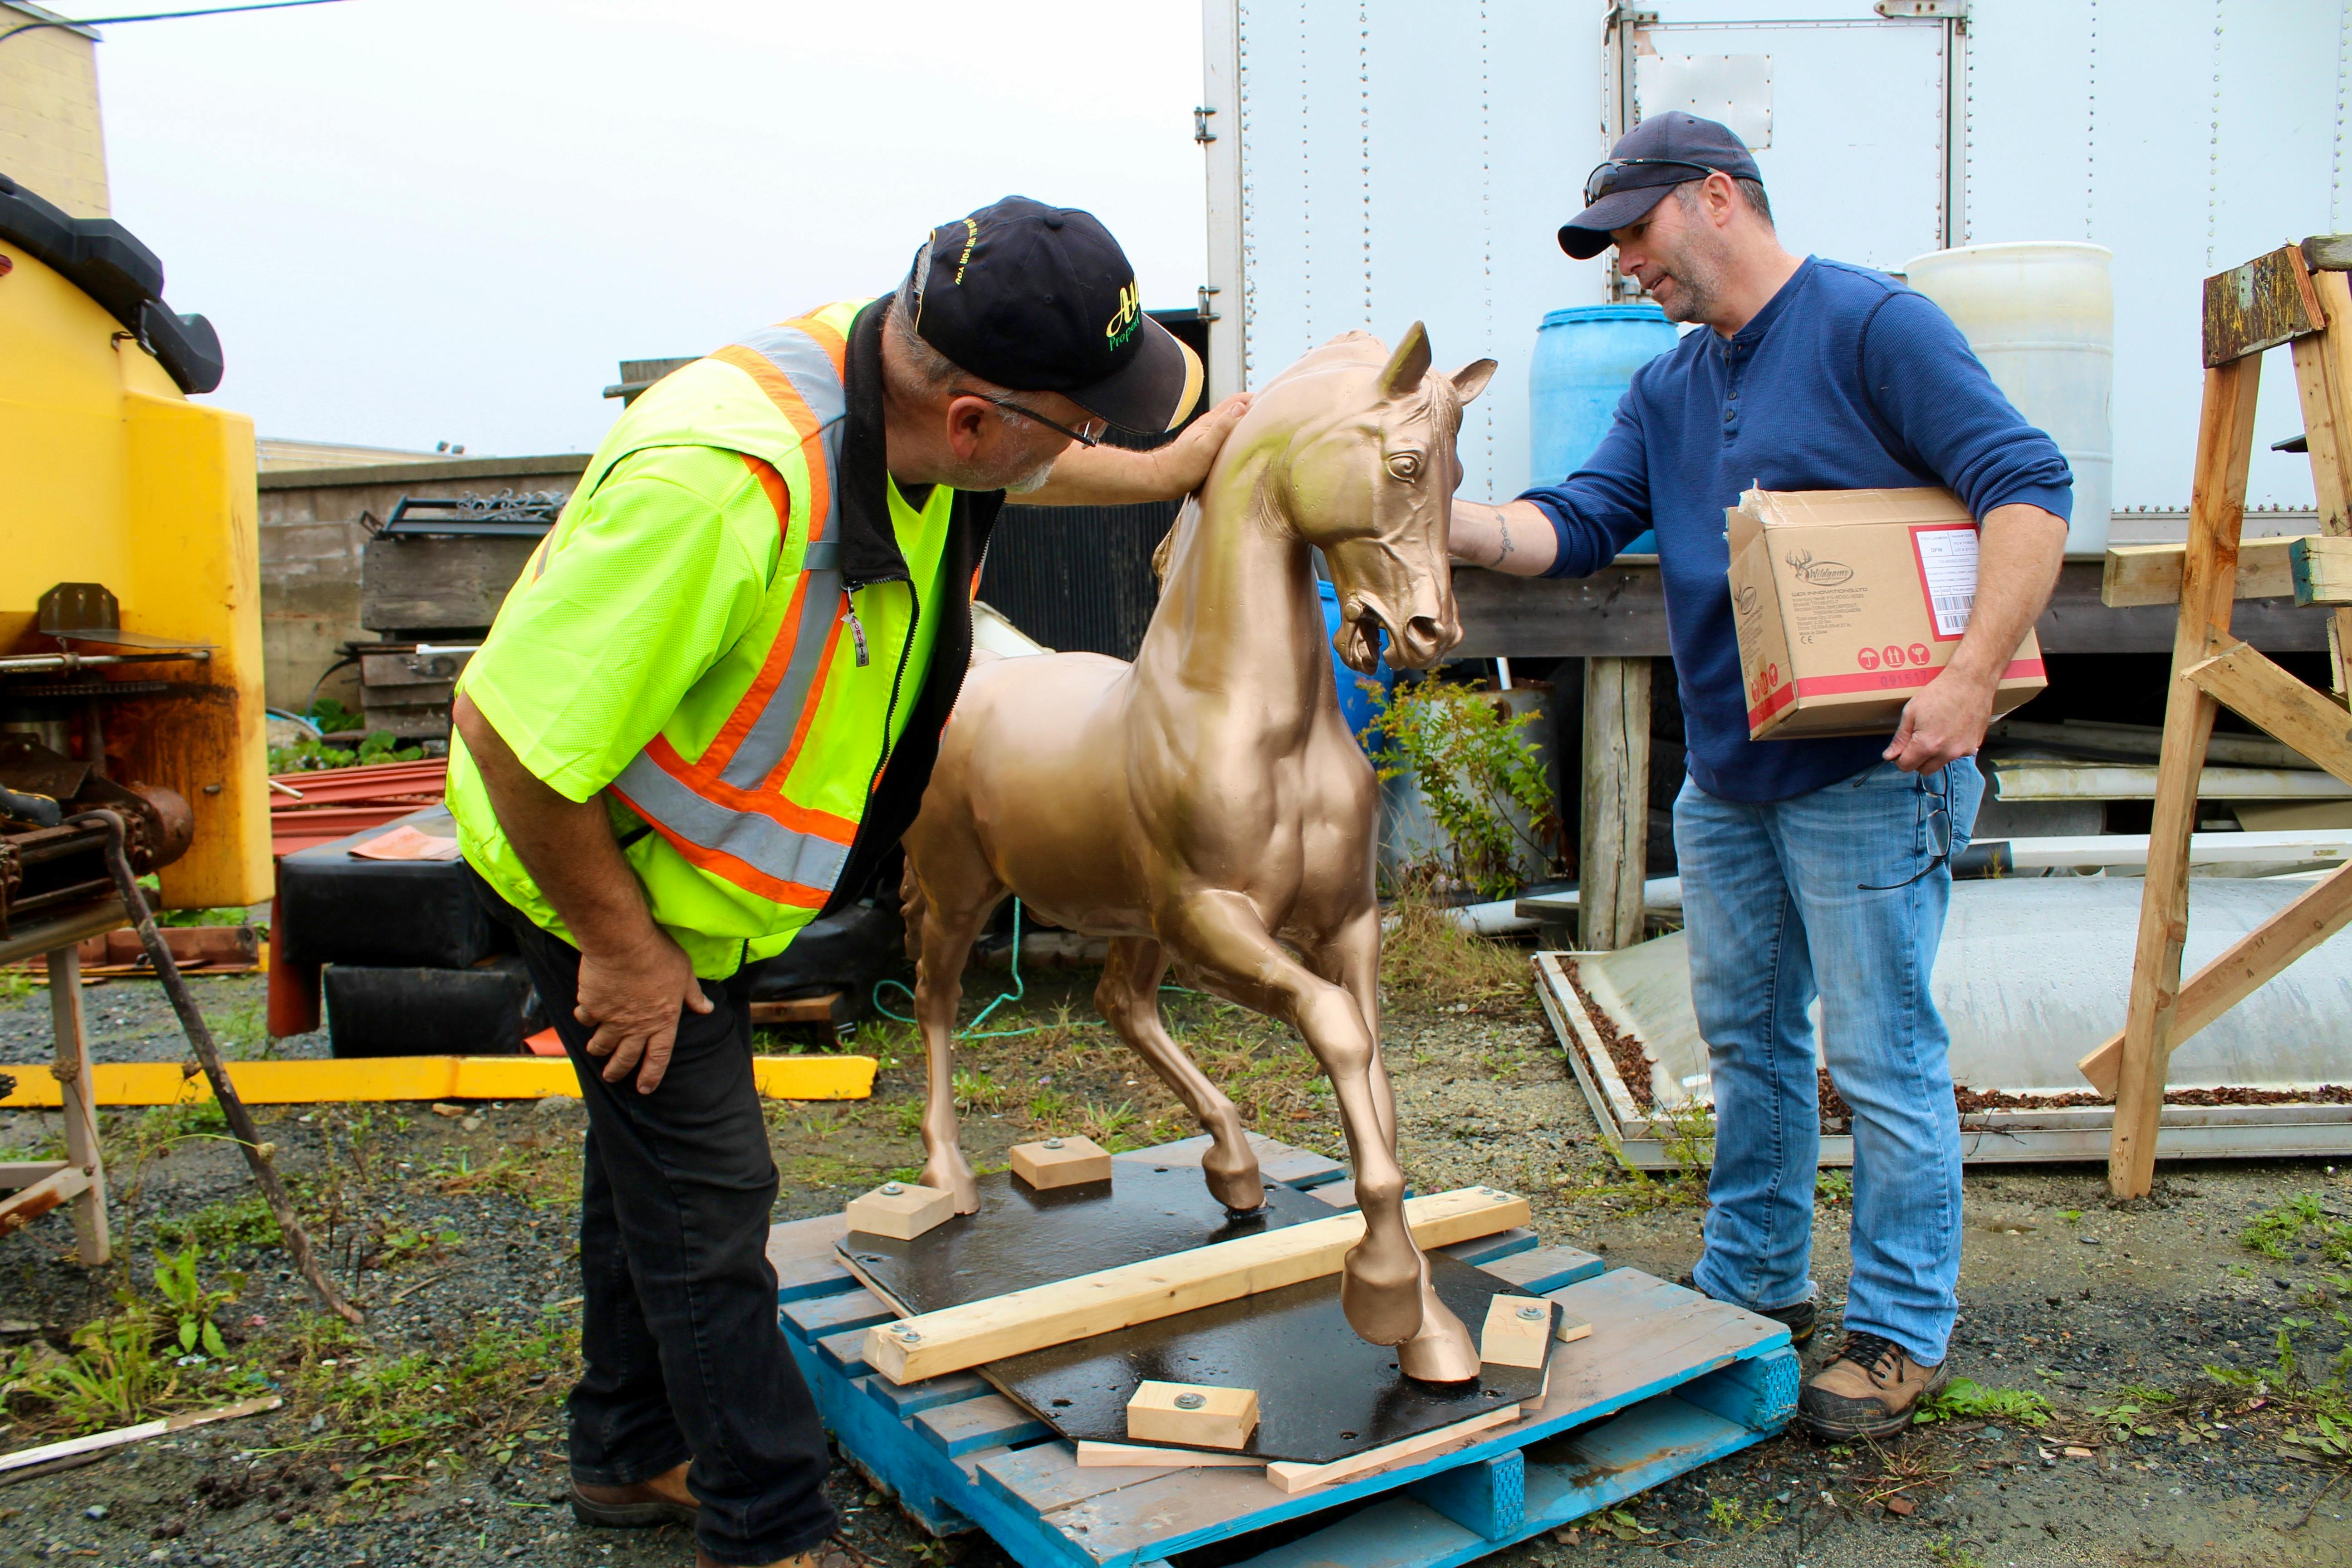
1042, 299
1663, 152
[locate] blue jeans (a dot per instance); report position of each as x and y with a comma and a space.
1796, 899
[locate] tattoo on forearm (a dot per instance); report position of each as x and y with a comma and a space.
1502, 551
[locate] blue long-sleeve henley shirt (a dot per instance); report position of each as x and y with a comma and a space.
1846, 380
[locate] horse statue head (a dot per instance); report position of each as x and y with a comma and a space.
1368, 477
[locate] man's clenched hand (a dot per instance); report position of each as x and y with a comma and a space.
631, 997
1945, 722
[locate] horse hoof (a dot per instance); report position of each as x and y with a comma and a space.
1233, 1214
1441, 1351
941, 1176
1242, 1192
1381, 1314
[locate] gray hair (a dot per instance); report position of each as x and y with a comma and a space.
934, 372
1752, 191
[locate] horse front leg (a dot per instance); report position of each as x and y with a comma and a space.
1129, 998
1384, 1283
943, 943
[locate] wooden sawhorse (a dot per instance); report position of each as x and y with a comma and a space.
80, 1177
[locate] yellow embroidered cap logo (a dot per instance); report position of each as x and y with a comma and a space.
1123, 319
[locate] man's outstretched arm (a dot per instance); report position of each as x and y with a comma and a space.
1514, 537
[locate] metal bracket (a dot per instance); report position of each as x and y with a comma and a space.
1923, 10
1207, 314
1200, 132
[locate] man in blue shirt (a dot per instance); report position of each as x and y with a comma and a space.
1811, 867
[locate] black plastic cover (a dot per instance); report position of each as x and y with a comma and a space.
485, 1011
107, 262
333, 908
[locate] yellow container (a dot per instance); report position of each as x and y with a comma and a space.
113, 477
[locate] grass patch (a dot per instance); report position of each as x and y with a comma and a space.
1428, 961
221, 1227
1965, 1399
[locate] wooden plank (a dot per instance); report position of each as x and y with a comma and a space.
2250, 963
97, 1442
58, 1187
444, 585
830, 1008
15, 1173
812, 1318
2266, 302
1613, 852
903, 1402
1604, 1067
1619, 612
2150, 574
1094, 1456
2277, 703
1483, 1250
2225, 441
1048, 1476
2321, 569
991, 1421
2328, 253
1294, 1479
76, 1098
1545, 1269
845, 1352
801, 1253
980, 1331
2323, 379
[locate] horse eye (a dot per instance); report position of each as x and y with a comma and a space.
1405, 466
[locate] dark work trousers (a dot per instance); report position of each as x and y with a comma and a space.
683, 1356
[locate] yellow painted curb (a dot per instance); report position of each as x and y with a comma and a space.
409, 1078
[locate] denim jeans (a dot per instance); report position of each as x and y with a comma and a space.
683, 1359
1821, 896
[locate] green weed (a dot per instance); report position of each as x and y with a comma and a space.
221, 1227
1965, 1399
194, 1304
2273, 1228
1833, 1187
1481, 775
977, 1091
1949, 1554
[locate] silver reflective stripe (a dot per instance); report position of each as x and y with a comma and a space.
799, 359
761, 842
825, 555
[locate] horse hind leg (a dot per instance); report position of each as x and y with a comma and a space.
941, 925
1128, 997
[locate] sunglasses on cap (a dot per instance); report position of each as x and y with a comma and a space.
1602, 180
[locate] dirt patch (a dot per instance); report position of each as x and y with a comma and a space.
1625, 1052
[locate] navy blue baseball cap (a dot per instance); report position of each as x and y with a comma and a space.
1042, 299
1663, 152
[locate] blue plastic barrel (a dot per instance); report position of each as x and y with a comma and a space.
1355, 702
1584, 360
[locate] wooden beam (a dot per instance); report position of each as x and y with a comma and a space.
2322, 568
2279, 705
2225, 445
98, 1442
75, 1098
2150, 574
68, 1183
2328, 253
2266, 302
1614, 847
2251, 962
2323, 383
956, 1337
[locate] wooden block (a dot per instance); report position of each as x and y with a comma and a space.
1294, 1477
1193, 1414
956, 1337
1518, 1331
830, 1008
2266, 302
2150, 574
1120, 1456
1061, 1162
1569, 1328
2323, 570
900, 1210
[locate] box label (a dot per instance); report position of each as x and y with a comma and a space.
1946, 553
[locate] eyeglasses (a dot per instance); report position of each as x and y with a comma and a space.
1080, 436
1596, 183
1935, 802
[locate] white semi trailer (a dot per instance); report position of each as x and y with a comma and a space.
1371, 162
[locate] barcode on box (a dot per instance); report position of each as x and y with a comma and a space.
1947, 570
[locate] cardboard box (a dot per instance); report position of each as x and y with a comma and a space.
1847, 602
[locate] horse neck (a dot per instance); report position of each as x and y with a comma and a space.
1239, 613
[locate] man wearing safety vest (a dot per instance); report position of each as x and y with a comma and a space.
706, 714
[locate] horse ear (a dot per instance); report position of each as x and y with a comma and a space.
1408, 365
1472, 378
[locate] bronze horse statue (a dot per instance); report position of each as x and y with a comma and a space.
1206, 806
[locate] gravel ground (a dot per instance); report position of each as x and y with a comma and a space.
435, 1436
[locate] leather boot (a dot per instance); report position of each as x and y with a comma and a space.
1873, 1389
641, 1505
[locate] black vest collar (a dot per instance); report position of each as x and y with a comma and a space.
869, 545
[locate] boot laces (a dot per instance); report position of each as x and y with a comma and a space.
1879, 1356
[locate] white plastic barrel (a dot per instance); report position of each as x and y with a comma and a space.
2041, 314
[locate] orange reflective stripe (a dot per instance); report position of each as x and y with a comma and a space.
773, 483
721, 864
710, 786
780, 392
835, 346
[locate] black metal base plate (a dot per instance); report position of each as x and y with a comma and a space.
1023, 1237
1323, 1393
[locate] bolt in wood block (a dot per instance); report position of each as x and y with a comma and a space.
1518, 1331
1061, 1162
1192, 1414
900, 1210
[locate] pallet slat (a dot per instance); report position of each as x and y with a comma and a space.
989, 1421
1545, 1269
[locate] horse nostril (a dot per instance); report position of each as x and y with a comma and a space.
1421, 631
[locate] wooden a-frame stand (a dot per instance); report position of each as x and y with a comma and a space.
2297, 295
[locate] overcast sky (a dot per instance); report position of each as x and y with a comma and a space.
417, 220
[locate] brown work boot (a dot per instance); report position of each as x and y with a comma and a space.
1873, 1389
640, 1505
804, 1560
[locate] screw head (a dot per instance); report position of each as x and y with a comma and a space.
1532, 1314
1189, 1401
1053, 1142
909, 1336
892, 1189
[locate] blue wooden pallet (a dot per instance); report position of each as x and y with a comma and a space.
1666, 1382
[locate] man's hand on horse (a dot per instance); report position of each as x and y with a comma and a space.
630, 996
1184, 462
